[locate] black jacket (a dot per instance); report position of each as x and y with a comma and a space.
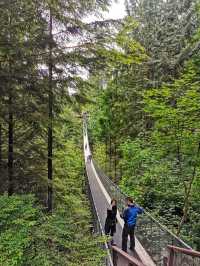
111, 216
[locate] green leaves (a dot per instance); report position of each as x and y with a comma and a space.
147, 138
29, 236
18, 219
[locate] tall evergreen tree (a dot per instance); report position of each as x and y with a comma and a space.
165, 30
41, 57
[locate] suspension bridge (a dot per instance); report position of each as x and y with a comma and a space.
155, 244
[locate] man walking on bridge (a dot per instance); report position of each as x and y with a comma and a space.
130, 218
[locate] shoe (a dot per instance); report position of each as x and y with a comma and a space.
124, 250
109, 244
132, 248
112, 242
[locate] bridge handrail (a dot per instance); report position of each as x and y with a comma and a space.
185, 251
181, 256
152, 234
129, 259
146, 212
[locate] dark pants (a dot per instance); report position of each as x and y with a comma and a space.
110, 228
128, 231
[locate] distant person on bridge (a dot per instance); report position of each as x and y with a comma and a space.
89, 158
110, 223
130, 217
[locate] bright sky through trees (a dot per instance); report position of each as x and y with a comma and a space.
117, 10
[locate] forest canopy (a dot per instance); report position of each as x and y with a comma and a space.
145, 124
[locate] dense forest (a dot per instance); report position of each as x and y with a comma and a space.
145, 123
138, 78
45, 216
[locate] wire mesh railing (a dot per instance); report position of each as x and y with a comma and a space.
153, 236
182, 257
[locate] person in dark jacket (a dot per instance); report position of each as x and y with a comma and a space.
110, 223
89, 158
130, 217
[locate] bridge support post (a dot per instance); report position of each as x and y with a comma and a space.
171, 258
121, 258
115, 257
165, 261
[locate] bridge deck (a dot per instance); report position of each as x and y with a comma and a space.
153, 240
102, 200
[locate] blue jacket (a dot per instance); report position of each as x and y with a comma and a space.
130, 214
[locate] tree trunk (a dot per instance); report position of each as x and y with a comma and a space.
10, 147
0, 147
115, 161
10, 121
110, 157
187, 195
106, 148
50, 117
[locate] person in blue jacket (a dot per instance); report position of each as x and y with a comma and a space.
130, 217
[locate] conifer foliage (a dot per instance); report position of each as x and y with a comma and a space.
38, 66
44, 46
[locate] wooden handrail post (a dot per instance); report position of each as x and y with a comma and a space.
171, 258
114, 257
165, 261
122, 258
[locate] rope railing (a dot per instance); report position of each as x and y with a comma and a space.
153, 236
